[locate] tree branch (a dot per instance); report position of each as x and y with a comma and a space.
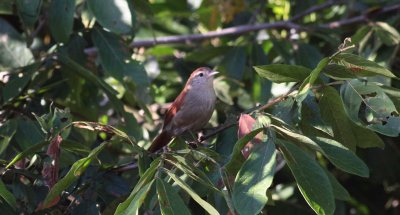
242, 29
315, 9
362, 18
231, 122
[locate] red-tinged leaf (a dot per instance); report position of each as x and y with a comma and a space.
246, 123
50, 169
50, 204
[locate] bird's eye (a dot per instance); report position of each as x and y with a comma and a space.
201, 74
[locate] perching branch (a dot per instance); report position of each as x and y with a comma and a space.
232, 122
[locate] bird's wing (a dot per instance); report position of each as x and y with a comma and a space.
174, 108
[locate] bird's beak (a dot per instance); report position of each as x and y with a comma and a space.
212, 73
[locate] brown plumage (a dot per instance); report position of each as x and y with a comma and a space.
191, 110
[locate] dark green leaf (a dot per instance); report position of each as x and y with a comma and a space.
309, 81
283, 73
338, 72
18, 82
234, 62
308, 55
360, 66
7, 195
29, 11
7, 131
28, 133
115, 58
206, 54
115, 15
209, 208
169, 199
29, 151
338, 190
236, 156
13, 50
137, 201
311, 179
191, 170
254, 178
73, 174
345, 131
342, 157
61, 19
368, 105
144, 180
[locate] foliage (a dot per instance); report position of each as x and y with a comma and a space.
81, 103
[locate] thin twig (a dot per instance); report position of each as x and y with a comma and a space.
316, 8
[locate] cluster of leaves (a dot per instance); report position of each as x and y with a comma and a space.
78, 105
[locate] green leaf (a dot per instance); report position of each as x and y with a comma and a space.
307, 55
28, 133
309, 81
114, 15
116, 59
386, 33
169, 199
345, 131
369, 106
394, 95
186, 166
61, 19
13, 50
338, 72
207, 207
7, 195
342, 157
137, 201
311, 119
7, 131
234, 62
360, 34
311, 179
18, 82
206, 54
73, 174
254, 178
144, 180
361, 67
338, 190
81, 71
29, 151
283, 73
236, 158
28, 11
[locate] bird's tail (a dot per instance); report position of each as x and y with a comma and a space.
160, 141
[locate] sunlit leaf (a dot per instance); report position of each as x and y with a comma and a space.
114, 15
254, 178
13, 50
283, 73
311, 179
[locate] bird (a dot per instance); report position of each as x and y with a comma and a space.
191, 110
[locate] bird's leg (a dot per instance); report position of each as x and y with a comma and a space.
194, 141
